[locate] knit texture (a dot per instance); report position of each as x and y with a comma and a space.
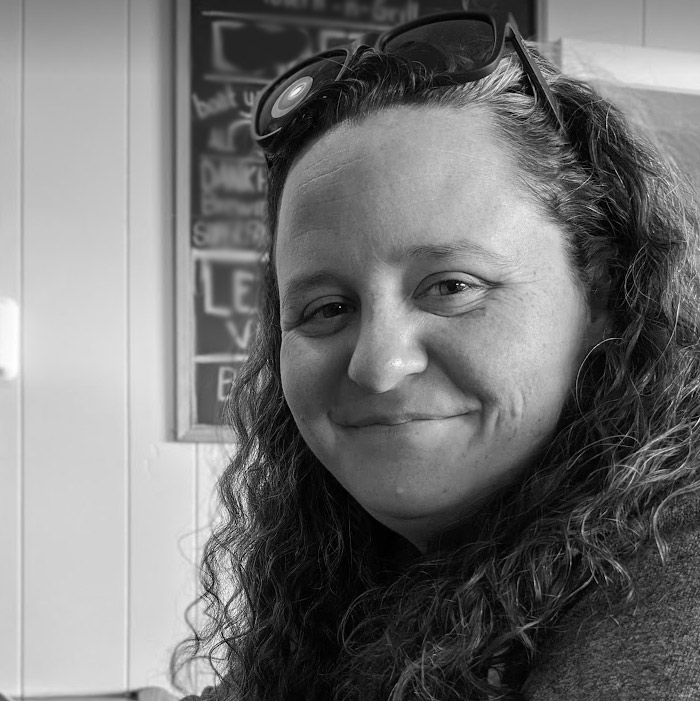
647, 652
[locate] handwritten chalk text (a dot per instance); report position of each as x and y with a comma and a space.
244, 338
223, 101
234, 177
230, 207
242, 284
226, 376
233, 233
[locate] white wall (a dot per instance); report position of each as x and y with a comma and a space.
98, 505
661, 24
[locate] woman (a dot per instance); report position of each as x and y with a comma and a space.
466, 464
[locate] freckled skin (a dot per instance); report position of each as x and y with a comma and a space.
481, 365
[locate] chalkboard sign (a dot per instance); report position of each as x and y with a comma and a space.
227, 51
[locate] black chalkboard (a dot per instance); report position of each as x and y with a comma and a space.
227, 51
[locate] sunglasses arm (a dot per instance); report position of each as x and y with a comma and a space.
536, 78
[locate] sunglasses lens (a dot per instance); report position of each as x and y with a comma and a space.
293, 89
462, 44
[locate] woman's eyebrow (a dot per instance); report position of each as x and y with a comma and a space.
300, 284
447, 250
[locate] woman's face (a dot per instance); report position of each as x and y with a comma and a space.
431, 325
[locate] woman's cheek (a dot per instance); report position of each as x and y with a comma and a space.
304, 374
290, 359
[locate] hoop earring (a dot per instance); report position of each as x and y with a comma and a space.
606, 337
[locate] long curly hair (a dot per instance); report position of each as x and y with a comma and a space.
305, 596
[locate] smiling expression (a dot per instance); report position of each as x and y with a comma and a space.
431, 324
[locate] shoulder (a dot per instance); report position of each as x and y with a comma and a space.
648, 651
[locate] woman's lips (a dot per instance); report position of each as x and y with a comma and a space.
391, 419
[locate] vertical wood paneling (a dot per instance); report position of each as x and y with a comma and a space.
672, 24
10, 391
162, 487
619, 22
75, 424
662, 24
633, 65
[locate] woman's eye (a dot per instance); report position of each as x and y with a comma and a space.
326, 315
451, 287
448, 287
445, 295
328, 311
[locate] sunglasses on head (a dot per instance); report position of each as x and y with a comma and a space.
476, 38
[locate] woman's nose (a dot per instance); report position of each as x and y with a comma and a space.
387, 350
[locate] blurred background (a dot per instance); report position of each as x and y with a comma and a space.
130, 212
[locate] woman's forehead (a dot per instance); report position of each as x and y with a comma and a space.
402, 136
398, 165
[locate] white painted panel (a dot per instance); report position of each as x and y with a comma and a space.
673, 24
621, 21
659, 90
10, 391
162, 484
211, 459
76, 345
632, 65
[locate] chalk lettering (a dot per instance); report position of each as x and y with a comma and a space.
229, 207
206, 274
226, 376
242, 340
243, 286
221, 102
233, 233
218, 140
249, 98
231, 176
233, 139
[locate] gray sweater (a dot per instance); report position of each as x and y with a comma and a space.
649, 652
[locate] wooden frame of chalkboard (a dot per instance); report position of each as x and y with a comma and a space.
202, 368
185, 428
226, 53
